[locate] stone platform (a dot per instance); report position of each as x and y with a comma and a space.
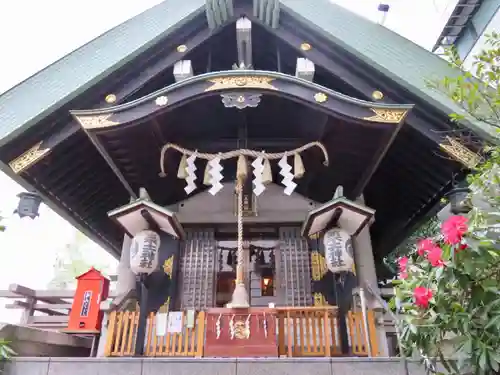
212, 366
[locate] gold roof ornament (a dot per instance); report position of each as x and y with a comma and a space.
389, 116
320, 97
110, 98
460, 153
96, 122
234, 82
29, 158
377, 95
182, 48
305, 46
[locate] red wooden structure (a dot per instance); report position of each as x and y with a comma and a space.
86, 315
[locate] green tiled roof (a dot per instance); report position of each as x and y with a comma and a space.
394, 56
52, 87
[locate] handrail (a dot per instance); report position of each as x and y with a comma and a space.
395, 317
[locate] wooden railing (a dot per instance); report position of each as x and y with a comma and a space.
122, 330
301, 332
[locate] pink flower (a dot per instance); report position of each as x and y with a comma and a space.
403, 264
422, 296
434, 256
454, 228
424, 246
403, 275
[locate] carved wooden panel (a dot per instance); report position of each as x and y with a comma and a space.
294, 268
198, 270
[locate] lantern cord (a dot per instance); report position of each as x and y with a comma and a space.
237, 153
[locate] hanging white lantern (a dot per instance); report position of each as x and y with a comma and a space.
144, 252
339, 254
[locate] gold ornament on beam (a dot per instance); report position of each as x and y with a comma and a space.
238, 82
460, 153
388, 116
29, 158
96, 122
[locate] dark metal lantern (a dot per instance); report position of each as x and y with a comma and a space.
459, 200
28, 205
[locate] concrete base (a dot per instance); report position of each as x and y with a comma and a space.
27, 341
188, 366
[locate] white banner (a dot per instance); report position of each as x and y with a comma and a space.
161, 324
174, 322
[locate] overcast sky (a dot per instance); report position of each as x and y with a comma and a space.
34, 34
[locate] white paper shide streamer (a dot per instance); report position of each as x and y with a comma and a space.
286, 172
216, 177
338, 251
258, 169
191, 175
144, 252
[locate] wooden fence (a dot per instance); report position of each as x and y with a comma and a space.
122, 330
301, 332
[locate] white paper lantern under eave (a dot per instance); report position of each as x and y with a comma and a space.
339, 254
144, 252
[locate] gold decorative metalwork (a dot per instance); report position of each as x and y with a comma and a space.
320, 97
460, 153
319, 300
241, 330
314, 236
318, 266
29, 158
96, 122
111, 98
168, 266
238, 82
377, 95
305, 47
390, 116
182, 48
161, 101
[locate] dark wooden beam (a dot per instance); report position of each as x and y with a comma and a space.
194, 36
374, 164
360, 78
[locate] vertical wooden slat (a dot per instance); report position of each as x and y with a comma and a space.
373, 333
308, 330
314, 333
200, 323
110, 338
289, 334
149, 334
281, 333
119, 329
326, 333
134, 321
126, 321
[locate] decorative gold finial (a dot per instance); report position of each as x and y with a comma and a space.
182, 48
305, 47
320, 97
377, 95
110, 98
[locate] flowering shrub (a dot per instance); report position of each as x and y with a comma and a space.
448, 289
